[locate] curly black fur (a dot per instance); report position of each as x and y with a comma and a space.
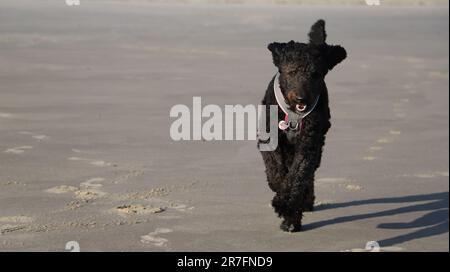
290, 168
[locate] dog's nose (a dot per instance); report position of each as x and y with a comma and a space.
300, 100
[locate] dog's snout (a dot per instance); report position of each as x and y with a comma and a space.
301, 104
300, 99
295, 97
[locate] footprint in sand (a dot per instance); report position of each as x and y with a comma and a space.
18, 150
98, 163
101, 163
14, 223
12, 183
347, 184
152, 238
61, 189
16, 219
10, 228
353, 187
89, 194
180, 207
77, 159
90, 183
380, 142
384, 141
88, 190
375, 148
332, 180
39, 137
138, 209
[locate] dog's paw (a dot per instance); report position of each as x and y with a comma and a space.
288, 226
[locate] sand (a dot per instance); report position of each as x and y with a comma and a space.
85, 152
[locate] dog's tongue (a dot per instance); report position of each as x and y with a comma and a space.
300, 107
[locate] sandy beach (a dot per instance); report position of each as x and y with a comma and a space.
86, 155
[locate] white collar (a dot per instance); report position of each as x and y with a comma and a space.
294, 117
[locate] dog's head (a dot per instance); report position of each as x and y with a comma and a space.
303, 66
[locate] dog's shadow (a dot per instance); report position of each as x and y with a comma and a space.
433, 223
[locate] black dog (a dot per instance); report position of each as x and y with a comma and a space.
300, 92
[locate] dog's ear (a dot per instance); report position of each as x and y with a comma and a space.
317, 34
335, 54
277, 50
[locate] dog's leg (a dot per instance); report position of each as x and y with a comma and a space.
292, 217
276, 176
275, 171
289, 203
310, 197
308, 205
292, 223
297, 194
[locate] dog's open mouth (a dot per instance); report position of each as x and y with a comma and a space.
300, 107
